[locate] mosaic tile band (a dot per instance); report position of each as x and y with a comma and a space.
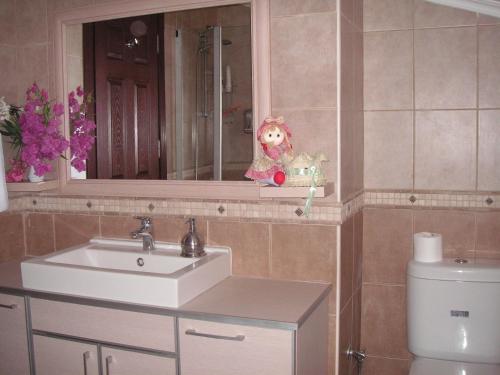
332, 213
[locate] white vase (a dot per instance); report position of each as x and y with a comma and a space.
32, 177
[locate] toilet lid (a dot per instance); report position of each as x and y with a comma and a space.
425, 366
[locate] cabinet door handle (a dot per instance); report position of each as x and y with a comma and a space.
109, 361
86, 357
12, 307
193, 332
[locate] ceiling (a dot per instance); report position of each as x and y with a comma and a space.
488, 7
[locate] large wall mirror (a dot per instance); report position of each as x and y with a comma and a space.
175, 89
173, 93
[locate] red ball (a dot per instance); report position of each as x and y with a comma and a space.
279, 178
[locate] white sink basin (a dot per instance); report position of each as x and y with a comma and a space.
120, 270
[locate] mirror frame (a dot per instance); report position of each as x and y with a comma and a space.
261, 84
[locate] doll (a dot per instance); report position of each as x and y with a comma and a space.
273, 136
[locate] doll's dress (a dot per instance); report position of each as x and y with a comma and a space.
269, 164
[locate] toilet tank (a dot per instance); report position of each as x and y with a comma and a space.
453, 310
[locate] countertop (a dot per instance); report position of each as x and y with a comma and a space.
242, 300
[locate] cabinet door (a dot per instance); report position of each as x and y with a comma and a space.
14, 359
228, 349
127, 362
64, 357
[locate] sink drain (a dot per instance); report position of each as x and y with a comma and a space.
140, 262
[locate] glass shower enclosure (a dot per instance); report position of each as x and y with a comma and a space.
208, 93
206, 133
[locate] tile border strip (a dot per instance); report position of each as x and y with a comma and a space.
279, 211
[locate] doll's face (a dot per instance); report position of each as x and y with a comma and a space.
273, 136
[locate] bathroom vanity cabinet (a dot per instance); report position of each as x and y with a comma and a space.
14, 357
242, 326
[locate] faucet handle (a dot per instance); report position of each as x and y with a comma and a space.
145, 220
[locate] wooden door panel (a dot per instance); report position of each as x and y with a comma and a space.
126, 90
117, 131
142, 130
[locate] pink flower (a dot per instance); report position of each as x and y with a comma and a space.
58, 109
81, 140
16, 172
39, 124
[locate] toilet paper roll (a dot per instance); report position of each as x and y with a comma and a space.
427, 247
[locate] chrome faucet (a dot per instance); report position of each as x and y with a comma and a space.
145, 232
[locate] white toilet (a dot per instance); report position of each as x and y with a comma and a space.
454, 317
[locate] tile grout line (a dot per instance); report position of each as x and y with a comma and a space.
414, 114
270, 248
477, 106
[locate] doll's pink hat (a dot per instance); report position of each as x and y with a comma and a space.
276, 121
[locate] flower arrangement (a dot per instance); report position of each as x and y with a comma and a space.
81, 140
34, 132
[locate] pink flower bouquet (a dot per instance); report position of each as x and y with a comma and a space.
34, 132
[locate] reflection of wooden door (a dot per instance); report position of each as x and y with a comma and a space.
125, 80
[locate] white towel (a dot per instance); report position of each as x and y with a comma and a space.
4, 198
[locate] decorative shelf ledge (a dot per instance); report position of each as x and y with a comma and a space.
32, 186
266, 191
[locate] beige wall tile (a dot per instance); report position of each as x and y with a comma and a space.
346, 261
118, 226
9, 73
358, 250
345, 338
39, 234
249, 243
387, 14
12, 246
314, 131
387, 245
359, 150
358, 14
383, 327
75, 229
31, 19
8, 30
347, 9
445, 150
59, 5
305, 252
347, 67
388, 150
445, 68
332, 342
32, 67
238, 15
172, 229
356, 319
488, 231
303, 61
489, 66
456, 227
388, 74
385, 366
489, 151
347, 171
434, 15
291, 7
